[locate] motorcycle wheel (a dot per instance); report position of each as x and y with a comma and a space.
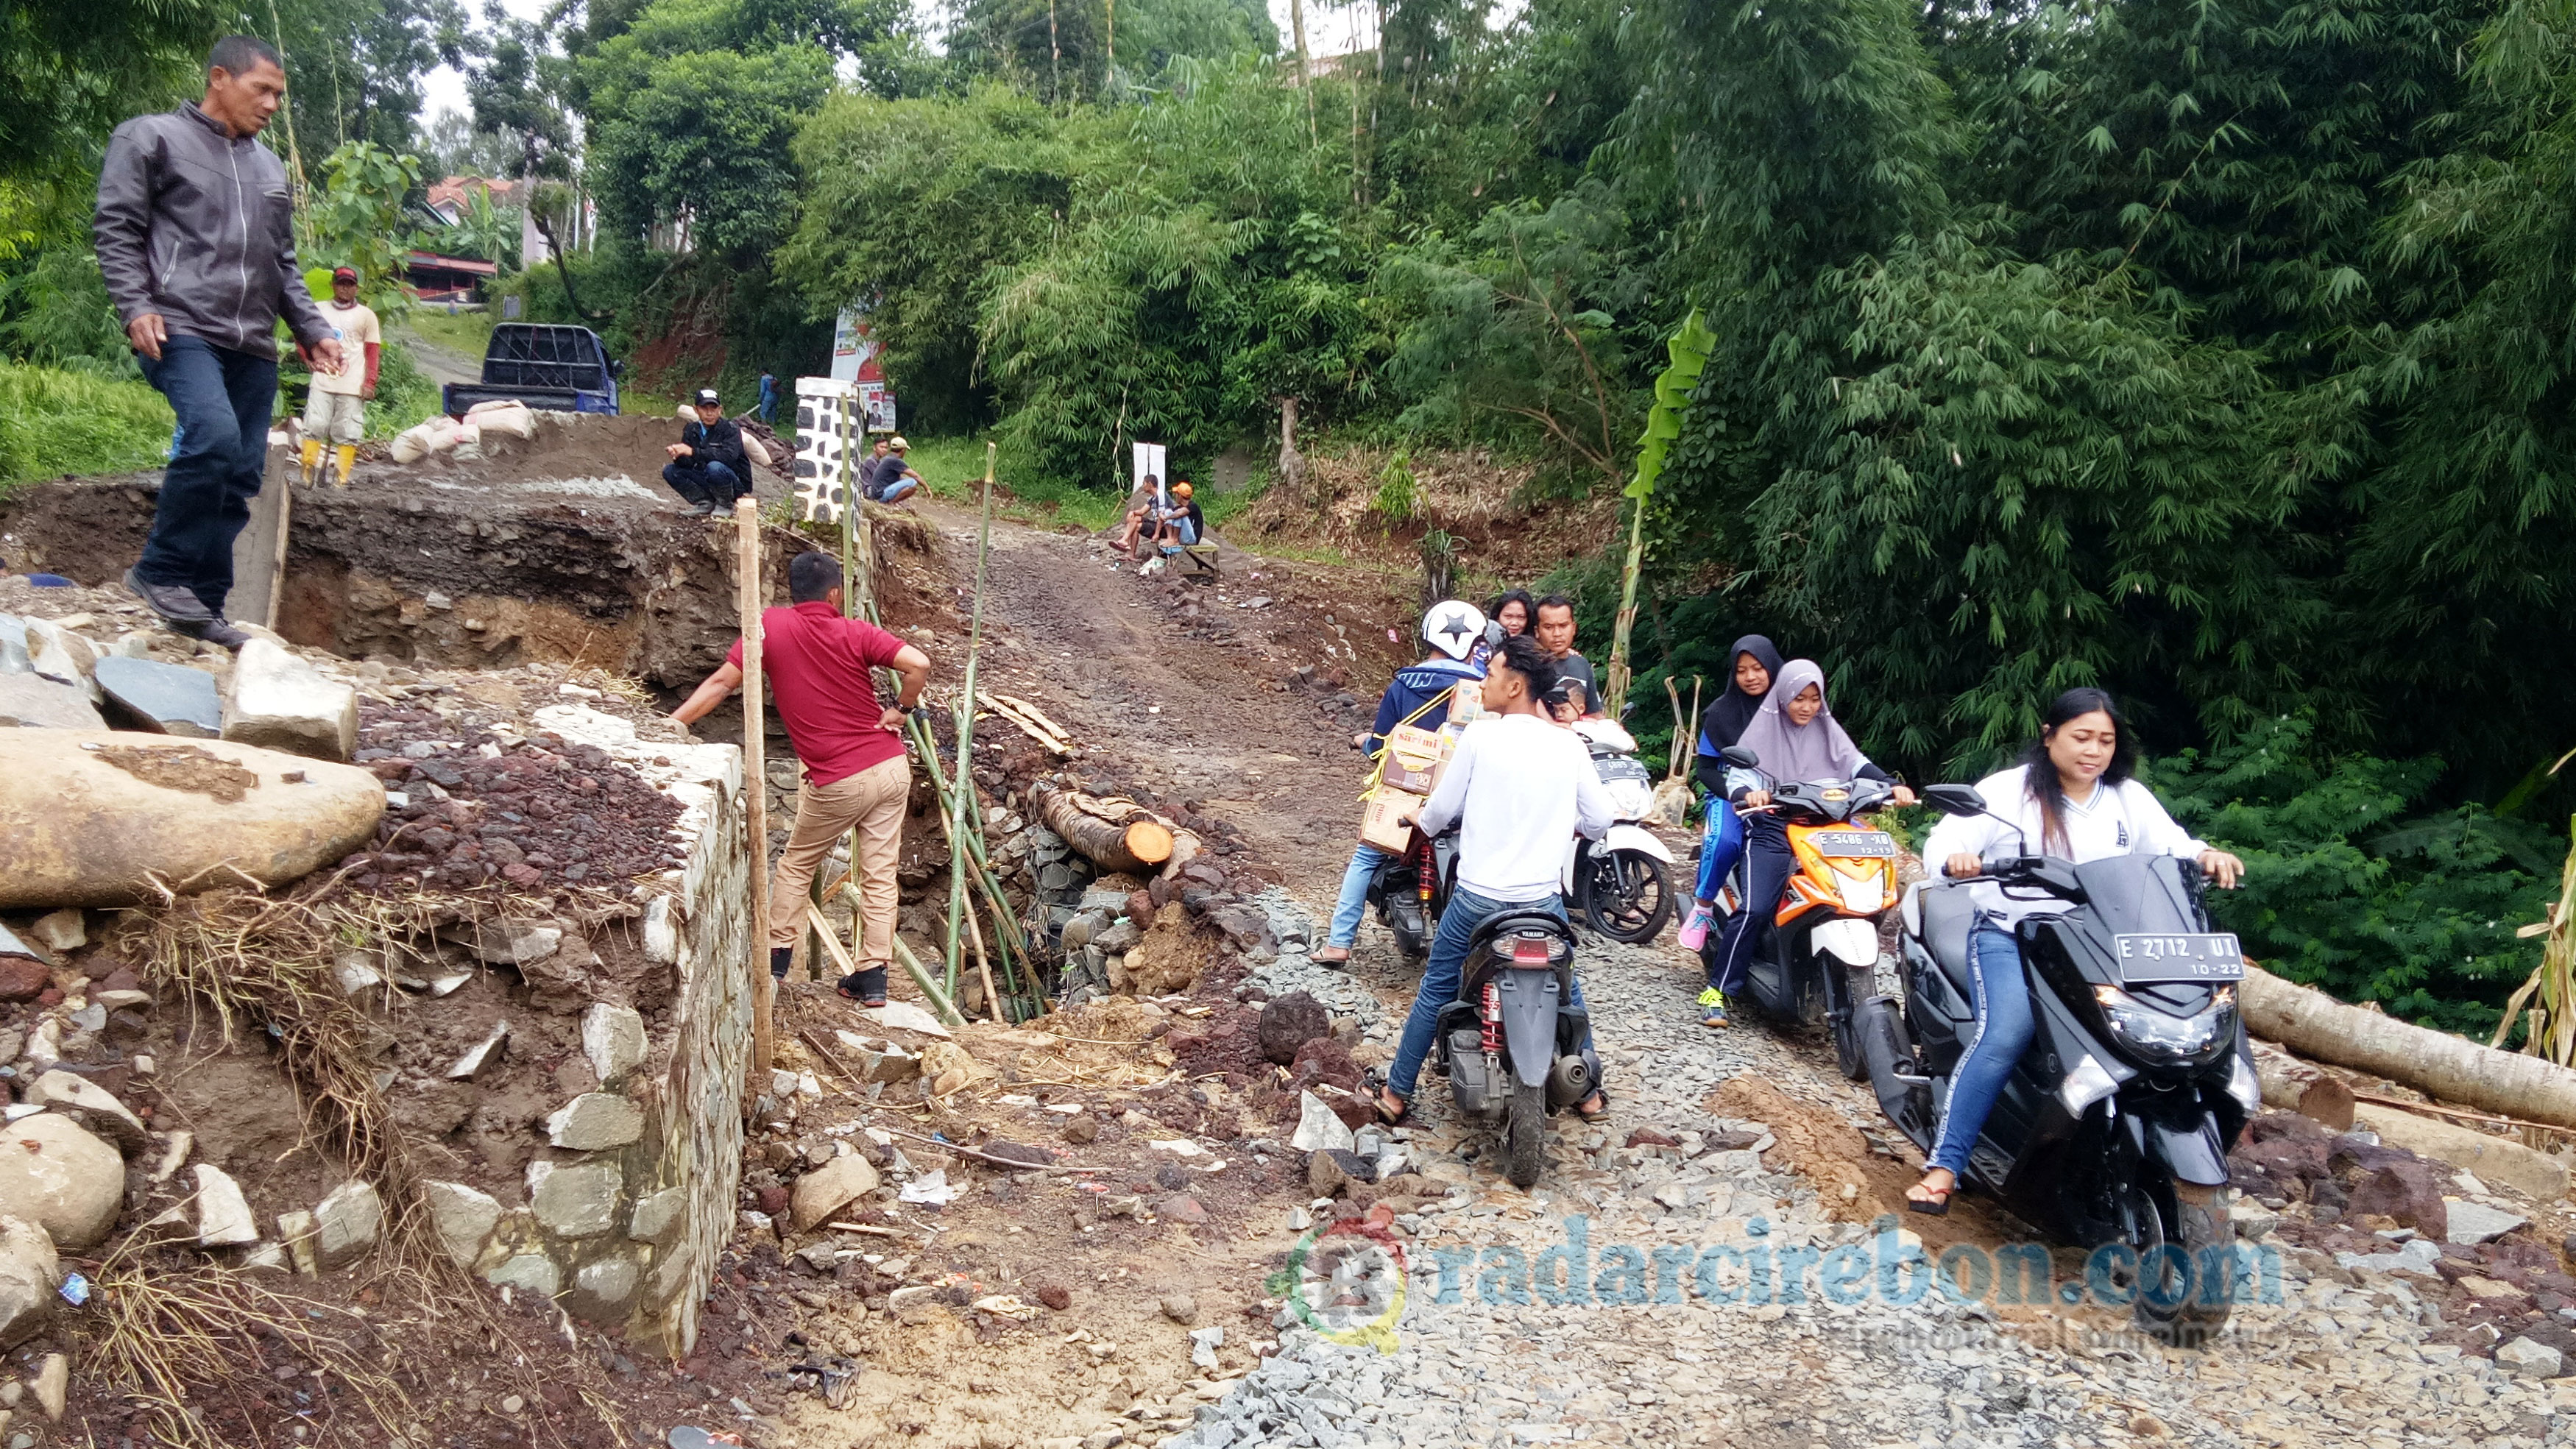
2205, 1236
1525, 1132
1627, 896
1860, 982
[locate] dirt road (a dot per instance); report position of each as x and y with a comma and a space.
1194, 702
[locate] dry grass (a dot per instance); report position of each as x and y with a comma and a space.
163, 1340
169, 1343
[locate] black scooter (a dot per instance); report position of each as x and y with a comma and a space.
2115, 1125
1511, 1044
1410, 891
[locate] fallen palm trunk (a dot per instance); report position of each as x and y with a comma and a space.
1113, 834
2438, 1064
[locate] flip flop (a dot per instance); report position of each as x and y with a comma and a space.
1320, 958
1937, 1206
1597, 1113
1378, 1093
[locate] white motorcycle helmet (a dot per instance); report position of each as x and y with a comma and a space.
1453, 627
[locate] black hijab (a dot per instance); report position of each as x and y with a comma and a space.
1724, 721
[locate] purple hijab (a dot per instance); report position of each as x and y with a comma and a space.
1789, 753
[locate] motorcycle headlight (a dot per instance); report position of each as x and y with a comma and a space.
1630, 799
1865, 891
2163, 1038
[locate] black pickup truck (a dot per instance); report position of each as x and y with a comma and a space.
564, 369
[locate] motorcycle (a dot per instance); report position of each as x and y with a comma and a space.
1821, 956
2116, 1123
1510, 1044
1623, 886
1411, 889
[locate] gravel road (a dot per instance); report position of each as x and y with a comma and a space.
2339, 1360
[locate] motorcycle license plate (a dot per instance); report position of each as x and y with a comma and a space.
2146, 959
1854, 844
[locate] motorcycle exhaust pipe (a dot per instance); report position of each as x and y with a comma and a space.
1569, 1081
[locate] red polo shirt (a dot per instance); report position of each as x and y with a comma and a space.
817, 663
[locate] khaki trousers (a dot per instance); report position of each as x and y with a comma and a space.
872, 802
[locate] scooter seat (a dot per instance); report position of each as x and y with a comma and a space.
1949, 916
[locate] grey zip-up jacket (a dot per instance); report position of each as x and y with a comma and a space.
197, 225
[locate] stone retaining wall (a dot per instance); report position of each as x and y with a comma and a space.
624, 1221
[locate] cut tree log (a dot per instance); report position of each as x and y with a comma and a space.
2303, 1087
2435, 1063
1114, 834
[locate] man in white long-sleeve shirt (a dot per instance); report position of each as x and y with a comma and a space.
1518, 788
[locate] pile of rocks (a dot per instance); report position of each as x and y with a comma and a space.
475, 805
94, 668
1115, 934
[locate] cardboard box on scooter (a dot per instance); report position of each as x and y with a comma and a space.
1413, 754
1386, 820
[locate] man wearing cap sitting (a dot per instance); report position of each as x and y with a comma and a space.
708, 467
892, 479
335, 407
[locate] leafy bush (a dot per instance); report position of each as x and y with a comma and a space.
55, 421
2353, 886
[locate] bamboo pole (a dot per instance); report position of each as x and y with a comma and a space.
755, 768
1614, 680
929, 984
965, 779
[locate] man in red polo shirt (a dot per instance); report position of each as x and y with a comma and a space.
856, 773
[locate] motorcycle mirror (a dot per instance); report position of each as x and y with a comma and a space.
1955, 799
1740, 757
1495, 633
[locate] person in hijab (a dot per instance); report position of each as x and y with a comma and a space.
1794, 738
1751, 666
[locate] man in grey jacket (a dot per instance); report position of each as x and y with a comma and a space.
196, 239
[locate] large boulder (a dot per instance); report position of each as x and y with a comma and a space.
95, 817
62, 1179
30, 1275
1289, 1022
280, 702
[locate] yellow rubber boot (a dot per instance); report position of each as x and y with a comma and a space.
348, 459
312, 459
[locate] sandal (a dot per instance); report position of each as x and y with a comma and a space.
1601, 1094
1378, 1092
1321, 958
1936, 1204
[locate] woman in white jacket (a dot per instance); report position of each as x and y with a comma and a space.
2071, 797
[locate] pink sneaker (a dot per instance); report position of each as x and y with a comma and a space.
1694, 933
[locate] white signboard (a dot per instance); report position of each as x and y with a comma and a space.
1151, 463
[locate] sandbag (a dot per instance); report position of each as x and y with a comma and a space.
506, 417
422, 439
752, 449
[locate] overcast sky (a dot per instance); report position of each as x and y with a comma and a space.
1329, 31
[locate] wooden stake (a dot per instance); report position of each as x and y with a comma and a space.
755, 769
965, 778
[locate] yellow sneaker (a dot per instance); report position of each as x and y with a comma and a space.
1712, 1007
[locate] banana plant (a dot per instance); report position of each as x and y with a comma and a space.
1688, 347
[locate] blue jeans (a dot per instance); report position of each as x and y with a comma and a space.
1721, 842
224, 400
714, 483
2004, 1028
899, 490
1354, 901
1766, 843
1467, 910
